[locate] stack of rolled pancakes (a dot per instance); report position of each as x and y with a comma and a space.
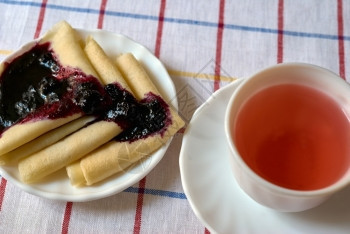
84, 146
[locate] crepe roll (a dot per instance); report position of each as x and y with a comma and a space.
20, 134
135, 75
106, 69
44, 140
66, 151
65, 41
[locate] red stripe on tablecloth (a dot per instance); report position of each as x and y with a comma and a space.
219, 36
142, 183
160, 28
341, 39
139, 205
219, 45
102, 13
2, 190
280, 32
40, 19
66, 217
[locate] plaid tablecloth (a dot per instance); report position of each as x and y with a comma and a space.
204, 45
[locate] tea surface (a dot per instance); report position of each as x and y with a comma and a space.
294, 136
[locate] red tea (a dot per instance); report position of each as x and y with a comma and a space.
294, 136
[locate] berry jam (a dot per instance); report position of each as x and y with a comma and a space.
36, 86
138, 119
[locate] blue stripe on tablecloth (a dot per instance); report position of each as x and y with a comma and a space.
180, 21
156, 192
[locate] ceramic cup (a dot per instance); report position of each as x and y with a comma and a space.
261, 189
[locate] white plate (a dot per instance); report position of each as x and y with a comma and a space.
220, 203
58, 187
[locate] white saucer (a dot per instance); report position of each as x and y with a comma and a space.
220, 203
57, 186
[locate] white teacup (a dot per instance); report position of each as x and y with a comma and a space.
259, 153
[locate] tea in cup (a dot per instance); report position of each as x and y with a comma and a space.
288, 129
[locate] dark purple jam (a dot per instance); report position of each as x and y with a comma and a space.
139, 119
36, 86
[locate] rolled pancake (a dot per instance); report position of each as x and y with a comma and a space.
44, 140
75, 146
116, 156
20, 134
105, 68
64, 152
65, 44
136, 76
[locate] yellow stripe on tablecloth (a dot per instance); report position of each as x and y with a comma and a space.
172, 72
199, 75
